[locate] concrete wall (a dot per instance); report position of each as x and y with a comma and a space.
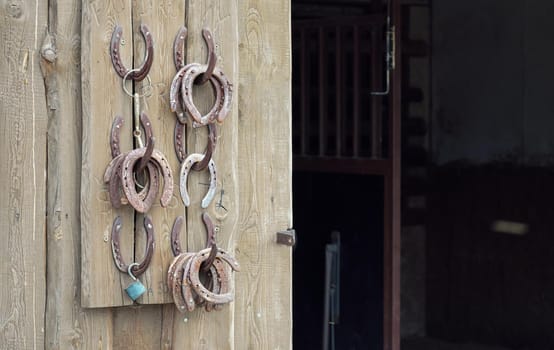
492, 75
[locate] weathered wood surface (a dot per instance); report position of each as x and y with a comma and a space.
102, 98
263, 306
23, 122
163, 19
253, 155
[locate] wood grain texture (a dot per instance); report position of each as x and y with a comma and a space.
23, 122
67, 325
213, 330
102, 98
163, 18
263, 307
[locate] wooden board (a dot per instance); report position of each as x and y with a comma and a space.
102, 99
163, 20
23, 123
263, 307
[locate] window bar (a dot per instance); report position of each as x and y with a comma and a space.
376, 108
304, 93
338, 91
356, 93
322, 93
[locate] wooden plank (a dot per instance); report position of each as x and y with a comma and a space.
212, 330
163, 20
392, 244
102, 98
263, 306
23, 122
66, 325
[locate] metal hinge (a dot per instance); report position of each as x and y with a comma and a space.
287, 237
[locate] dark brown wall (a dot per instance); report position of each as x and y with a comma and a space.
485, 286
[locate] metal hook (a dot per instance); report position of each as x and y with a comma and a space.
390, 53
141, 72
212, 57
175, 239
130, 272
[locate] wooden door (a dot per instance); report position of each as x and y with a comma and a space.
61, 133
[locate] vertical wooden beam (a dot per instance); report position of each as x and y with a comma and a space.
263, 306
102, 98
213, 330
23, 120
163, 19
66, 323
391, 298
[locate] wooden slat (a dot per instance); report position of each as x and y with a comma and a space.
392, 244
23, 122
263, 307
163, 20
102, 98
342, 165
213, 330
66, 324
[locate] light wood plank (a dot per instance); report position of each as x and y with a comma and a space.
67, 325
23, 122
102, 98
212, 330
163, 19
263, 307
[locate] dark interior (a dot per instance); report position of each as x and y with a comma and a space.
477, 172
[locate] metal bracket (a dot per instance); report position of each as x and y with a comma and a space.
287, 237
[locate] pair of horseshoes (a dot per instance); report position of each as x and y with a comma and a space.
186, 269
181, 87
121, 171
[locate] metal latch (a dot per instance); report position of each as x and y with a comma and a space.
287, 237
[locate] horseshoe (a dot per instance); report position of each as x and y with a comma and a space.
128, 179
192, 271
175, 104
178, 140
212, 57
179, 48
177, 282
114, 135
142, 71
185, 169
219, 83
139, 269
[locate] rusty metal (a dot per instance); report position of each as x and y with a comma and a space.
114, 135
185, 170
175, 236
221, 85
212, 57
210, 242
179, 48
142, 71
178, 142
127, 177
121, 265
287, 237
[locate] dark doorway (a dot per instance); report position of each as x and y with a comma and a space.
342, 152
